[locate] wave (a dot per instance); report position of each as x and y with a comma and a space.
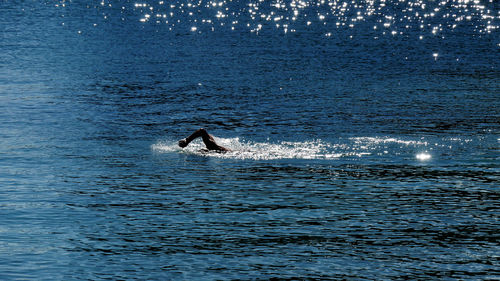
314, 149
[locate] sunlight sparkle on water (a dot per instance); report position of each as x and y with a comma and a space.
416, 19
292, 15
423, 156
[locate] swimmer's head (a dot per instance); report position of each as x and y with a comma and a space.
183, 143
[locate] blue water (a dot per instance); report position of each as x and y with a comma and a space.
365, 137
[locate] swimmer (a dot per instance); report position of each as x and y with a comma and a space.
208, 140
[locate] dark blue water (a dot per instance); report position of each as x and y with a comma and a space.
365, 139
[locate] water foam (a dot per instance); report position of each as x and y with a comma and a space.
316, 149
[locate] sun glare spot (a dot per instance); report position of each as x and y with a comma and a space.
424, 156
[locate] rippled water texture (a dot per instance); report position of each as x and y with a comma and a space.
364, 134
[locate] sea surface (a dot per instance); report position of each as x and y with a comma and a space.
365, 138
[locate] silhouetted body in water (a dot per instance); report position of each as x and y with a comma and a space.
208, 140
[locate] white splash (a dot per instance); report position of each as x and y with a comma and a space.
258, 151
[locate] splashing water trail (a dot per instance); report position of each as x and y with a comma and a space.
315, 149
257, 151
